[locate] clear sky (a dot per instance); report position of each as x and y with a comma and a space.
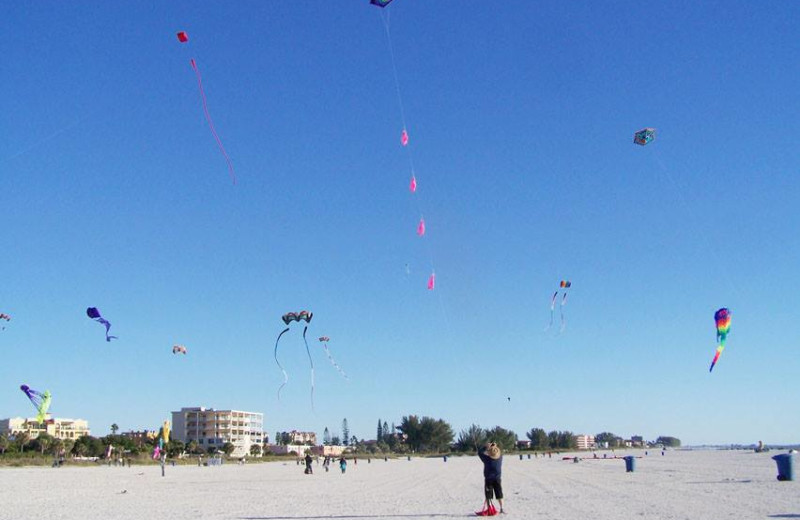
521, 117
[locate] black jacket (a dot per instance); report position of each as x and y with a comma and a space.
492, 468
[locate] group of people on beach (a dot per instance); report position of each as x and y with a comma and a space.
325, 464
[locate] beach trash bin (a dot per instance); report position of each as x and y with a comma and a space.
785, 463
520, 456
445, 458
630, 463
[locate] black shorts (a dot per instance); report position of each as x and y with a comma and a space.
493, 486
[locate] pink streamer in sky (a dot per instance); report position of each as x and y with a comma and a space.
413, 184
211, 123
431, 281
404, 138
421, 227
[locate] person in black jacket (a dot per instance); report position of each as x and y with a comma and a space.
492, 472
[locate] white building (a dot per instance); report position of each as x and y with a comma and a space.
211, 428
60, 428
307, 438
585, 442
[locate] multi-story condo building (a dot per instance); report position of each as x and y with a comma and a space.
308, 438
585, 442
60, 428
211, 428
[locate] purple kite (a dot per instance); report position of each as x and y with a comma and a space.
93, 313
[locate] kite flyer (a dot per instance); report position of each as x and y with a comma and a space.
492, 466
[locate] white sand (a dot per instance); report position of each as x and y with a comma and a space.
681, 485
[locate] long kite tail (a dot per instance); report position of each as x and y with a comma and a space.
563, 320
333, 361
107, 324
285, 375
310, 360
552, 310
720, 348
210, 122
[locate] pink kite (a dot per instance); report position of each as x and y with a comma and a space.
413, 184
183, 38
421, 227
431, 281
404, 138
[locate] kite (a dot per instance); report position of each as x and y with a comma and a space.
723, 320
40, 401
4, 317
432, 281
404, 133
183, 38
288, 318
324, 340
179, 348
644, 136
93, 313
564, 284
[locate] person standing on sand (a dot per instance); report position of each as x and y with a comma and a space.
309, 460
343, 465
492, 471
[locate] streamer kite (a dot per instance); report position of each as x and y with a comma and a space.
40, 401
722, 318
93, 313
288, 318
564, 284
432, 282
644, 136
324, 340
421, 227
184, 38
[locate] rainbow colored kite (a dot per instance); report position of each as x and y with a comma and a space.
723, 320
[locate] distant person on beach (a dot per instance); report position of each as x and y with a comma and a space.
343, 465
309, 460
492, 460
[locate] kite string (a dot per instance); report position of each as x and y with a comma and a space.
285, 375
396, 76
211, 122
310, 360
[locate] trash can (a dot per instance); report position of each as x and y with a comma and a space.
520, 456
445, 458
785, 463
630, 463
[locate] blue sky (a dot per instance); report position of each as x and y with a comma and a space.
521, 117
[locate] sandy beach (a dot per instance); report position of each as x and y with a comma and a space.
680, 485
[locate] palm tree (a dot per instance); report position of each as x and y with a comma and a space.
114, 429
21, 439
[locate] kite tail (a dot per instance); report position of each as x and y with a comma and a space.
333, 361
563, 320
552, 310
285, 375
720, 348
211, 123
310, 360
